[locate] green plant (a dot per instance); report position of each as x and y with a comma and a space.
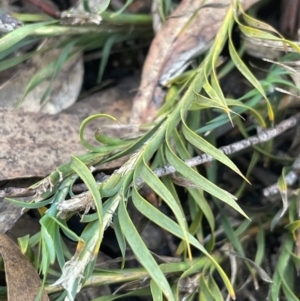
172, 139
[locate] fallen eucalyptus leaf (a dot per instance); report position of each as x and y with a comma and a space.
9, 214
34, 144
188, 32
65, 87
23, 282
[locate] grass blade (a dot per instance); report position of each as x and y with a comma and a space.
142, 253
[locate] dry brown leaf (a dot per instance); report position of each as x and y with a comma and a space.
65, 88
9, 214
34, 144
157, 21
181, 38
23, 282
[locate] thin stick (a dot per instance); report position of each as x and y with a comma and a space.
262, 137
230, 149
290, 179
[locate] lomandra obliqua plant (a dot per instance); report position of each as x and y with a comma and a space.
168, 142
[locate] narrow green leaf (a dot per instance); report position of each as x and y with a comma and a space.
254, 32
108, 140
25, 247
258, 34
138, 292
128, 2
114, 38
257, 23
11, 62
205, 293
103, 6
254, 160
282, 186
42, 75
69, 233
284, 266
213, 94
202, 182
201, 201
156, 291
276, 218
292, 227
209, 149
20, 33
288, 292
112, 185
59, 248
137, 144
30, 205
85, 174
47, 229
62, 59
215, 289
196, 268
171, 188
197, 194
169, 225
223, 119
295, 258
261, 246
120, 238
142, 253
202, 102
190, 297
83, 126
261, 272
231, 235
213, 57
127, 19
275, 287
241, 66
160, 189
243, 227
193, 229
14, 48
255, 113
288, 284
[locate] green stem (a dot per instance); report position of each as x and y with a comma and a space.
132, 19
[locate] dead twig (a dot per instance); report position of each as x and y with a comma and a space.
290, 179
263, 136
